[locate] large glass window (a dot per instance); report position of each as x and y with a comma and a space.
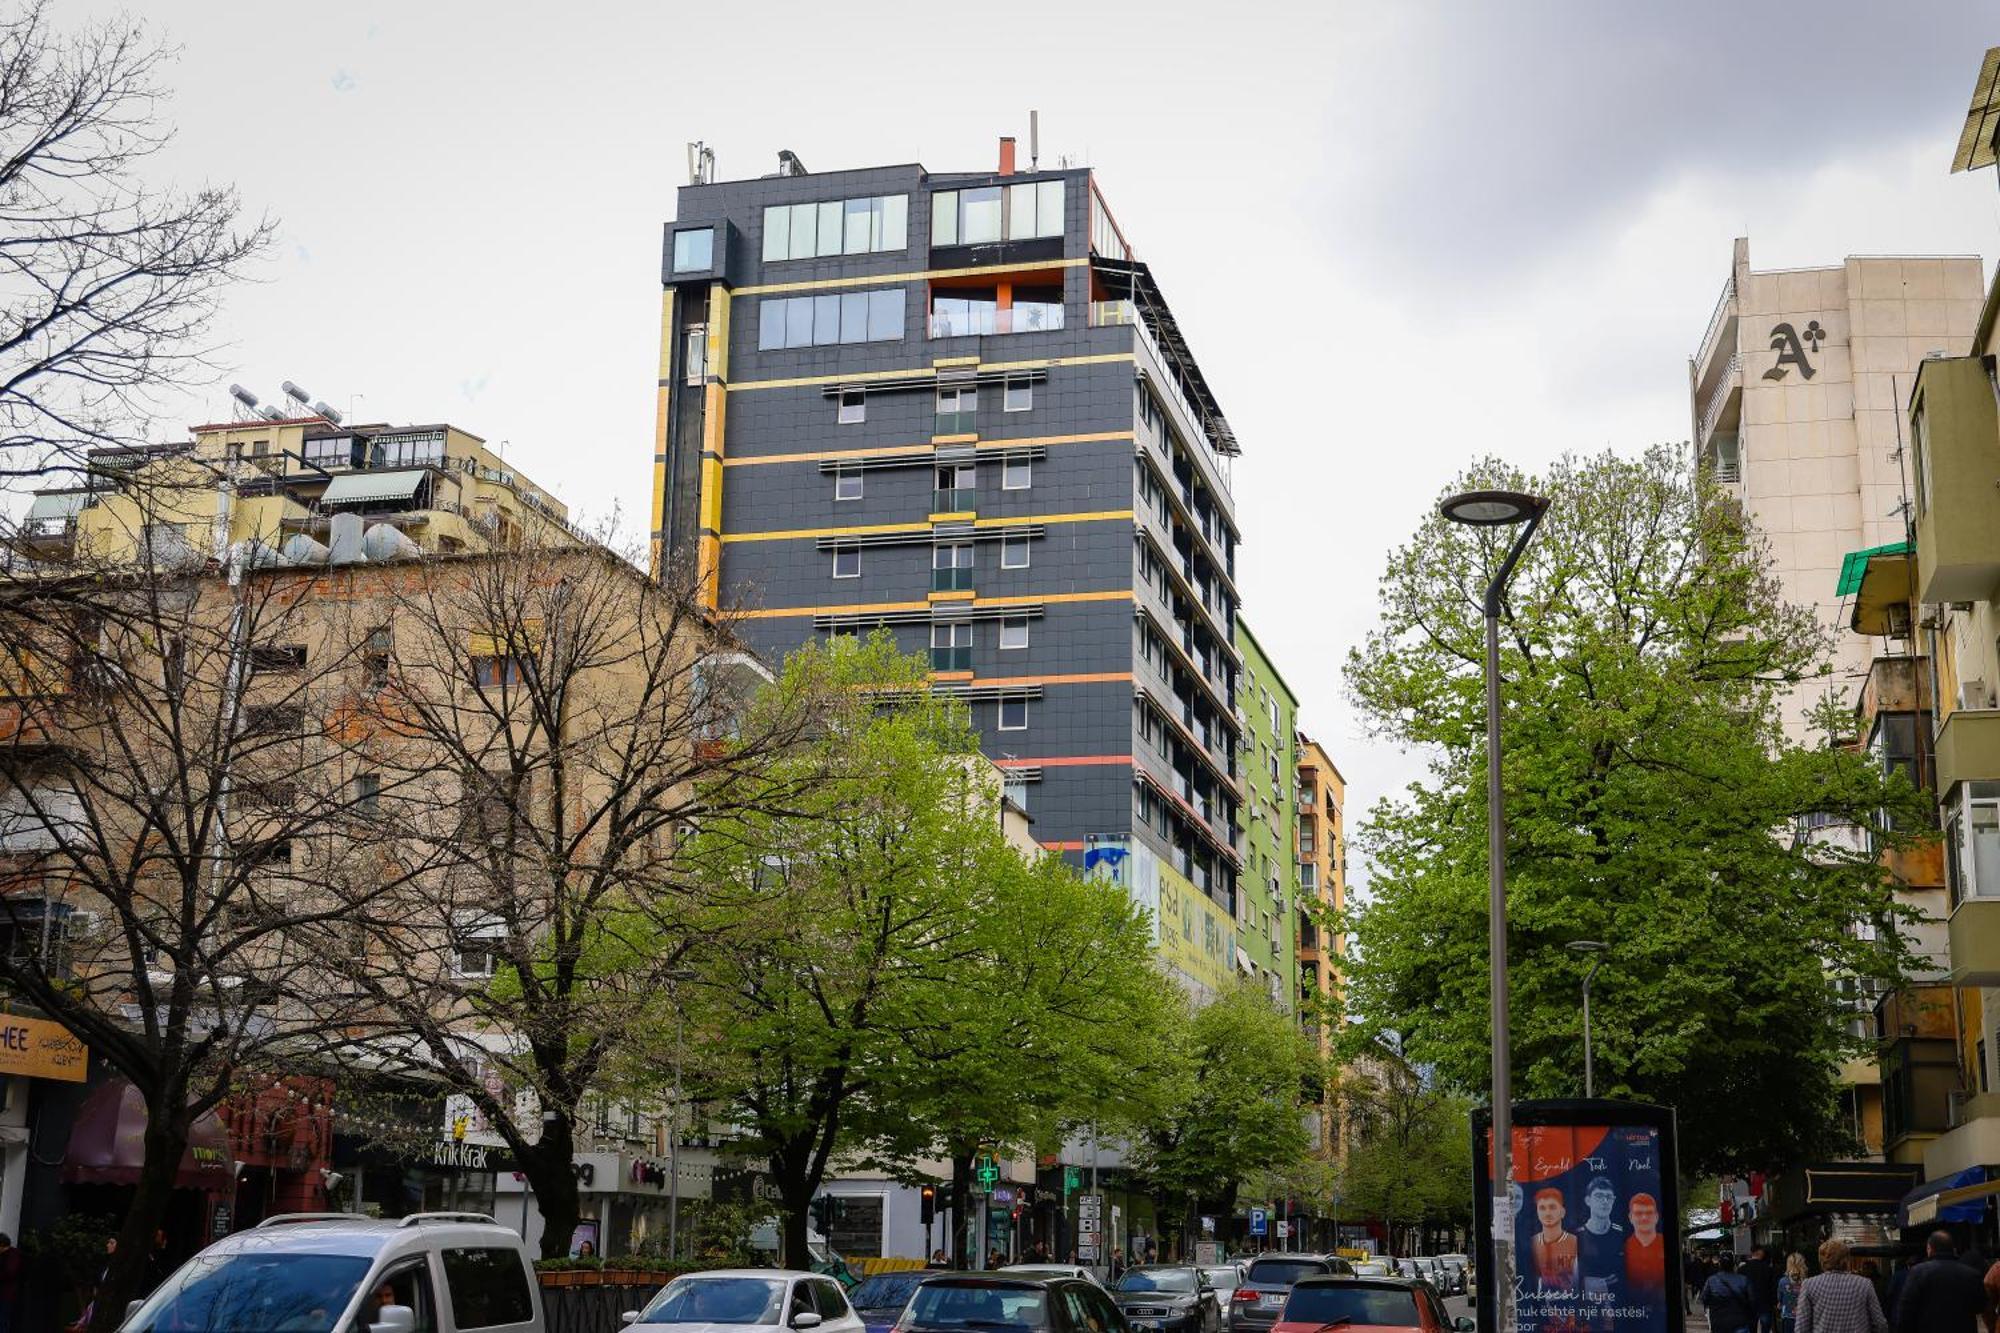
991, 213
951, 566
821, 321
866, 225
694, 251
951, 647
961, 313
1972, 842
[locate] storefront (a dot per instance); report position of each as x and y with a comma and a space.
107, 1147
624, 1200
36, 1057
396, 1177
281, 1135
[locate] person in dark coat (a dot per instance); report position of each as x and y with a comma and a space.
1763, 1288
1941, 1294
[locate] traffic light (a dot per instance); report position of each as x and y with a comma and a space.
825, 1209
928, 1208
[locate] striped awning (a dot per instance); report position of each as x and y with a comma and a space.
57, 504
370, 487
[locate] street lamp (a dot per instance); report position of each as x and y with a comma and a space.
1491, 509
1596, 949
673, 976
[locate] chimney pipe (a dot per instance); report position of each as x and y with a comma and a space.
1007, 155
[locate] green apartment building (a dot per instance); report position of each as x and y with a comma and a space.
1267, 899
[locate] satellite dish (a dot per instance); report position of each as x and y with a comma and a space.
296, 394
327, 412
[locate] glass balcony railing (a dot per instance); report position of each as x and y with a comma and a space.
951, 659
955, 423
979, 320
952, 500
951, 580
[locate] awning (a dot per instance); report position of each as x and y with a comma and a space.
107, 1143
1854, 563
1962, 1196
1881, 582
57, 504
364, 487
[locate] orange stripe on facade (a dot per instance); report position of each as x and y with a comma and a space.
903, 450
855, 609
1072, 845
1084, 678
1069, 761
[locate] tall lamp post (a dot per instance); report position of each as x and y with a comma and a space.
1491, 509
1596, 949
673, 977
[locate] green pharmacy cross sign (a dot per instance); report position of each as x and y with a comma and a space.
988, 1173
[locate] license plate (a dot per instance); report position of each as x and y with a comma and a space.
1271, 1302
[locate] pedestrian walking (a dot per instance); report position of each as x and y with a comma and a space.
1837, 1301
1763, 1281
1117, 1263
1942, 1295
1788, 1292
1730, 1300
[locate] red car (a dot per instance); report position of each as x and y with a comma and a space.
1366, 1305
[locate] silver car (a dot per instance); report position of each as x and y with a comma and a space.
740, 1300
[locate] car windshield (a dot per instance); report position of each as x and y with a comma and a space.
1222, 1279
977, 1305
253, 1291
1158, 1279
1283, 1272
1327, 1303
717, 1300
883, 1291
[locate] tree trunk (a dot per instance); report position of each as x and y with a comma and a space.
961, 1207
550, 1169
166, 1142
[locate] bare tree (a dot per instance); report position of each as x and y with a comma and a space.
183, 835
107, 282
553, 724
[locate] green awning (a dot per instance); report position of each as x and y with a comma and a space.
365, 487
1855, 563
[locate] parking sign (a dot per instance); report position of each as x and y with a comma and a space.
1259, 1222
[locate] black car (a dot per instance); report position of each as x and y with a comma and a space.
982, 1302
1168, 1298
879, 1300
1261, 1295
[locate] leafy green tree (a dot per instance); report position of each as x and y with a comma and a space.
833, 931
1055, 1021
1235, 1106
1652, 801
1409, 1154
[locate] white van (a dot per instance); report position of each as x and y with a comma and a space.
345, 1273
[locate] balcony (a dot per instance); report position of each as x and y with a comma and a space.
951, 659
1975, 942
1955, 433
1968, 747
951, 580
1723, 406
979, 319
1720, 333
955, 501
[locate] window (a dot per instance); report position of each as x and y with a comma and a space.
475, 943
1972, 842
955, 487
847, 483
868, 225
826, 1292
821, 321
1016, 474
1013, 712
368, 794
1014, 633
1015, 789
951, 647
330, 451
956, 409
694, 251
985, 215
375, 659
488, 1287
1013, 553
273, 720
410, 449
951, 567
1019, 396
276, 657
498, 669
957, 313
853, 407
695, 361
847, 562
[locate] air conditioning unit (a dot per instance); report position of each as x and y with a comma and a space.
1974, 694
1896, 618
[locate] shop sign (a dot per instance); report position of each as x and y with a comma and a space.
458, 1155
37, 1048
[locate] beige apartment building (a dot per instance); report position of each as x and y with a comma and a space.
1796, 392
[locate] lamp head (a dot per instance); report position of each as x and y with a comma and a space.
1491, 509
1587, 946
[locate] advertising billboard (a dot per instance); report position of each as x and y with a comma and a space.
1595, 1218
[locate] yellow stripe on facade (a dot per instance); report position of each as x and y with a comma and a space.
866, 376
792, 534
867, 608
905, 450
921, 275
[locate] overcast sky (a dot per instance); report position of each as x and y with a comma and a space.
1465, 228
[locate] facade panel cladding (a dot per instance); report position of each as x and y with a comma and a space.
954, 406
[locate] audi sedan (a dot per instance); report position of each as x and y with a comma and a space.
1168, 1298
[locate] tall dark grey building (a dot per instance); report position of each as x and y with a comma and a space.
959, 407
